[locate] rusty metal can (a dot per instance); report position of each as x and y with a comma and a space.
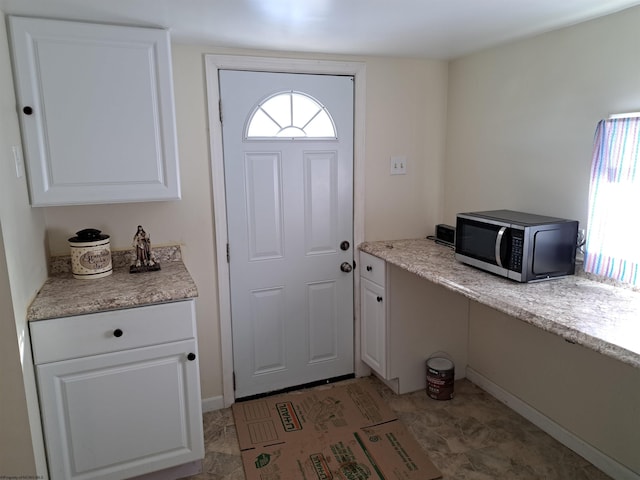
440, 378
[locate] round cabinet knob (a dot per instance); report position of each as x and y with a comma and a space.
379, 299
369, 268
117, 332
191, 357
27, 110
346, 267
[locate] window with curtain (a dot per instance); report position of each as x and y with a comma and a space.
611, 247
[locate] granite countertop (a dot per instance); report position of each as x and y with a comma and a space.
62, 295
597, 315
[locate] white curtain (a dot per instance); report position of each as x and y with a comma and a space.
613, 233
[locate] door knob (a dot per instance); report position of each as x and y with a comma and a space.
344, 245
346, 267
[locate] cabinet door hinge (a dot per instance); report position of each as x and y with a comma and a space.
228, 255
220, 110
234, 381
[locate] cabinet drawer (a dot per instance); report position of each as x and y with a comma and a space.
372, 268
83, 335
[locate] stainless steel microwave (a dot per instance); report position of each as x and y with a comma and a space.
521, 246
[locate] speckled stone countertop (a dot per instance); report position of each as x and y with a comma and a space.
597, 315
62, 295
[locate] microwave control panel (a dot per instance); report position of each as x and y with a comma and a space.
517, 243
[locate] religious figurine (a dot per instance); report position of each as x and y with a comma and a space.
145, 260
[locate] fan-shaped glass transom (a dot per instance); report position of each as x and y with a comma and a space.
290, 115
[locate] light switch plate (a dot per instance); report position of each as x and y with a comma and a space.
398, 165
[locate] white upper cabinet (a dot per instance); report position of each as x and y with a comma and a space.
97, 112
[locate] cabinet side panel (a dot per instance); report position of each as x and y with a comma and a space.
424, 319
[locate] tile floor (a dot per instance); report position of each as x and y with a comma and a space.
471, 437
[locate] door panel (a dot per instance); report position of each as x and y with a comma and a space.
264, 205
268, 325
323, 322
289, 206
321, 202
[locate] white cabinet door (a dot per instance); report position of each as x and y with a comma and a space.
97, 112
374, 326
122, 414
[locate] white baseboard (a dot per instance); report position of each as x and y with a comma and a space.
594, 456
212, 403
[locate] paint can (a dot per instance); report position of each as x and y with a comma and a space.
90, 254
440, 377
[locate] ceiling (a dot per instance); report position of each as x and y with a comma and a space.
438, 29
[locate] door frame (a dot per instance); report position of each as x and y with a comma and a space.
214, 63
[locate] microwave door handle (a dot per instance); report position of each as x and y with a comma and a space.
499, 245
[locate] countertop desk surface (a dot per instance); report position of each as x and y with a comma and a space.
63, 296
597, 315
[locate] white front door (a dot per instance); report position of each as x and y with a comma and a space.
290, 226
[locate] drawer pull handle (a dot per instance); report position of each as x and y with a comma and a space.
369, 268
379, 299
117, 333
191, 357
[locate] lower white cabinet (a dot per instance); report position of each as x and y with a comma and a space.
404, 321
373, 313
132, 407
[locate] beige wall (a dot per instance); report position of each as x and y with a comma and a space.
406, 112
519, 119
591, 395
16, 453
405, 102
188, 222
25, 268
522, 117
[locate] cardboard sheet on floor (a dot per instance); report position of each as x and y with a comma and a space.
343, 432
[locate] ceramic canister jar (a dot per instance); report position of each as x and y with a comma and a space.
90, 254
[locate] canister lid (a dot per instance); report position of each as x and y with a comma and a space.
439, 363
88, 235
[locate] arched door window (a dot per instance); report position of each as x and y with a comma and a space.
290, 115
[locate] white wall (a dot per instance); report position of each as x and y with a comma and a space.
404, 98
522, 117
24, 248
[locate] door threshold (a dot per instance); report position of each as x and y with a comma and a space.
304, 386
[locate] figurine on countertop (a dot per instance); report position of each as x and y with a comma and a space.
145, 260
